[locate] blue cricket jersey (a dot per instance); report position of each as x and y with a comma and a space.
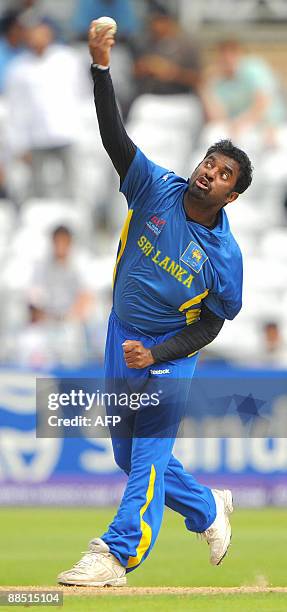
167, 264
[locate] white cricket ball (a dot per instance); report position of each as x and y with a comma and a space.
103, 22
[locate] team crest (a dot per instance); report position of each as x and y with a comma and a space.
194, 257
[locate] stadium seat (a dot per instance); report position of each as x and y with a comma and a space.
166, 128
178, 110
269, 274
247, 216
99, 273
13, 315
93, 184
275, 241
3, 111
247, 242
7, 225
169, 148
278, 8
89, 138
273, 164
93, 169
237, 341
260, 307
116, 217
41, 215
27, 245
16, 273
195, 12
7, 217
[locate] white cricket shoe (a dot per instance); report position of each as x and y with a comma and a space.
98, 567
218, 535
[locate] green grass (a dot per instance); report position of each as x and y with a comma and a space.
38, 543
175, 603
171, 603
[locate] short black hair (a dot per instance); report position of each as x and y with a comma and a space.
62, 229
226, 147
270, 324
158, 9
8, 20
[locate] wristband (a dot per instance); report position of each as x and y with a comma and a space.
100, 67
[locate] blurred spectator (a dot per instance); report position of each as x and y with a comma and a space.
167, 62
11, 42
59, 281
56, 13
196, 12
166, 117
44, 343
60, 288
274, 347
121, 10
28, 4
45, 127
272, 350
243, 101
32, 347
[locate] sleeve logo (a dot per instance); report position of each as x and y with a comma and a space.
194, 257
166, 177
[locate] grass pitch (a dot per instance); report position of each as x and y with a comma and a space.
36, 544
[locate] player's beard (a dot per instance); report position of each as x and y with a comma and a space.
198, 194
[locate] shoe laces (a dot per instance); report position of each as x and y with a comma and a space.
207, 535
85, 561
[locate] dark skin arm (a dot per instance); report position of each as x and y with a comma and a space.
136, 355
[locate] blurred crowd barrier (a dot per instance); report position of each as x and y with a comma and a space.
182, 82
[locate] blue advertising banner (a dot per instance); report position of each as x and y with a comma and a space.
81, 471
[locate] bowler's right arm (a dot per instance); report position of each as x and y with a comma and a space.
116, 141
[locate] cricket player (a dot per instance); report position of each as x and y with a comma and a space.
178, 276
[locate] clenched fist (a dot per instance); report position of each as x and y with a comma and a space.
136, 355
100, 44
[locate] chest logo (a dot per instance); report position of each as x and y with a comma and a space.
156, 225
194, 257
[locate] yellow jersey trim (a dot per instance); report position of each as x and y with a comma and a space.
196, 300
146, 530
192, 315
123, 241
